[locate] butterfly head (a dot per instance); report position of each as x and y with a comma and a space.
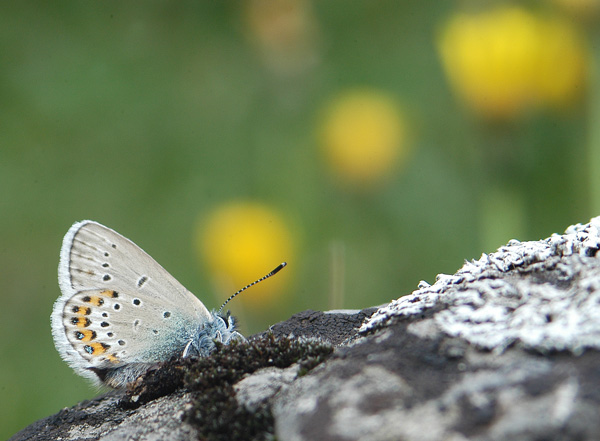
221, 328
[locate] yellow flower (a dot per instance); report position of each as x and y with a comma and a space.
363, 136
241, 242
507, 61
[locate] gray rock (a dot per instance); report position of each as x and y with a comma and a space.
506, 348
103, 419
260, 387
540, 295
394, 385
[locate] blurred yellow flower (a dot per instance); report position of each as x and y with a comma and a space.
508, 60
241, 242
363, 136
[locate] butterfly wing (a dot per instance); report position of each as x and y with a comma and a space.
118, 305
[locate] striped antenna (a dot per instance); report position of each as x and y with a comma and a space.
272, 273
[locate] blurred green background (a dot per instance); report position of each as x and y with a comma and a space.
349, 123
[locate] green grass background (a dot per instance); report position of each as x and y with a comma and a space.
144, 116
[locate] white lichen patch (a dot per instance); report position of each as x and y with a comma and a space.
542, 295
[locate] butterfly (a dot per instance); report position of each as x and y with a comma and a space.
120, 312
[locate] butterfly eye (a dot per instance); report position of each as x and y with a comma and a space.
225, 319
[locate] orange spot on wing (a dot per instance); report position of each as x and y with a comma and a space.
88, 335
96, 301
112, 358
97, 348
81, 322
109, 293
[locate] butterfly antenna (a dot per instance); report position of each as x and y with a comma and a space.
272, 273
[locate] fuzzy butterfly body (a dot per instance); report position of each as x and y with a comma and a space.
120, 312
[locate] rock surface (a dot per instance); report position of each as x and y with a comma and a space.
506, 348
